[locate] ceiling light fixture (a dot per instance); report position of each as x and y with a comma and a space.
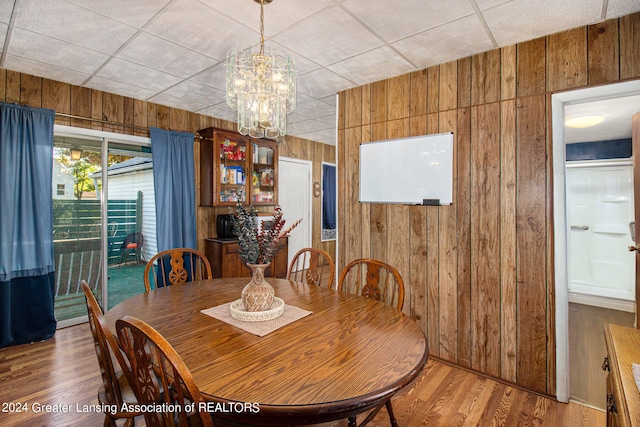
262, 87
584, 121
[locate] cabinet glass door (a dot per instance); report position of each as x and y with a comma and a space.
263, 177
233, 170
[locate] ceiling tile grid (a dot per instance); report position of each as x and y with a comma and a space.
172, 52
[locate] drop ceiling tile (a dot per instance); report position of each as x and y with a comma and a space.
73, 24
181, 103
135, 13
321, 83
213, 76
194, 25
59, 53
322, 43
5, 11
137, 75
41, 69
119, 88
445, 43
509, 25
278, 15
221, 111
617, 8
194, 91
3, 34
371, 66
311, 109
486, 4
154, 52
408, 16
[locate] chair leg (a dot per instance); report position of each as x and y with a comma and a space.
352, 422
392, 418
109, 422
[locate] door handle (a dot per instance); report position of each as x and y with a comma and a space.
580, 227
635, 247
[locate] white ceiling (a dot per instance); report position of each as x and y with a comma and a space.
172, 52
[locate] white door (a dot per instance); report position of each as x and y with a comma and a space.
599, 208
294, 195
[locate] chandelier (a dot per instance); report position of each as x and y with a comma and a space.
262, 87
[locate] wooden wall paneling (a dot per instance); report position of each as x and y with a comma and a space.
508, 261
365, 208
448, 257
531, 242
163, 115
378, 101
567, 56
366, 105
12, 87
464, 82
416, 280
508, 71
398, 251
352, 242
531, 67
57, 96
96, 109
418, 94
485, 235
3, 84
31, 90
353, 100
433, 89
485, 77
341, 175
462, 205
140, 117
603, 52
418, 125
113, 111
448, 90
80, 106
178, 120
316, 202
398, 97
630, 46
433, 284
378, 224
127, 115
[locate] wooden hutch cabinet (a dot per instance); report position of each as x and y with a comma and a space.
236, 168
224, 257
623, 398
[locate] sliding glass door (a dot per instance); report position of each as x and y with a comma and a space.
104, 223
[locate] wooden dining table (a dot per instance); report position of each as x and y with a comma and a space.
348, 356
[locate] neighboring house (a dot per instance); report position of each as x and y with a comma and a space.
62, 182
126, 179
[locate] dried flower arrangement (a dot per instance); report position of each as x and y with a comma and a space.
257, 246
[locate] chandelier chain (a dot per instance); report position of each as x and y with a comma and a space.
261, 27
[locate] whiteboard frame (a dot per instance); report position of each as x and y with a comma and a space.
413, 171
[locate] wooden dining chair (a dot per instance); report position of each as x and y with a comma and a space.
115, 389
373, 279
175, 267
380, 281
312, 266
159, 375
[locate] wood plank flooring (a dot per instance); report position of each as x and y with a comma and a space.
63, 371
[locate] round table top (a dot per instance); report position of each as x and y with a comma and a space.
349, 355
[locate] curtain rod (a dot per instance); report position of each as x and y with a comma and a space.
108, 122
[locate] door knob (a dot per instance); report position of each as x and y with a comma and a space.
635, 247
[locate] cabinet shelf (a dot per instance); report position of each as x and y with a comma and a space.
234, 167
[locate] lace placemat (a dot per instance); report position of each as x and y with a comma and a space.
636, 374
290, 314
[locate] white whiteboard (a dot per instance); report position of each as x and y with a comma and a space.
416, 170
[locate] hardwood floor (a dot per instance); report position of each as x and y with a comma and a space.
63, 371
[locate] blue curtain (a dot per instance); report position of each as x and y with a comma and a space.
175, 189
328, 202
26, 225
